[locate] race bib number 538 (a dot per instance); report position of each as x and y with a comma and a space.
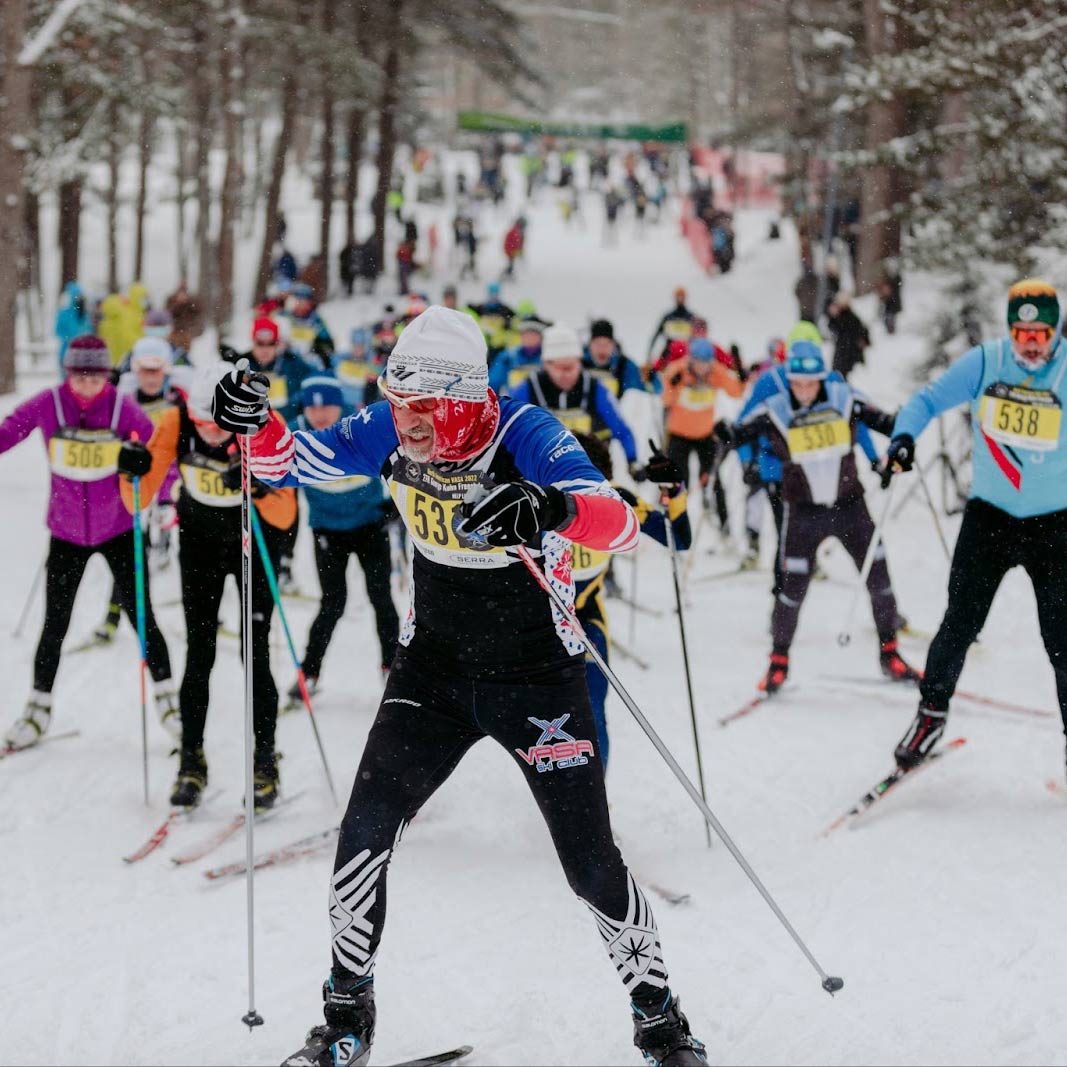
1021, 417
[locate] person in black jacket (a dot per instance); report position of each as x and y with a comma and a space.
850, 334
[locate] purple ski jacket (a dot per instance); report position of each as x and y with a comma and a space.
85, 506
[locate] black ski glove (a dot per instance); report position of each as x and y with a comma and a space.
723, 433
514, 513
240, 403
638, 473
900, 456
134, 459
661, 470
231, 477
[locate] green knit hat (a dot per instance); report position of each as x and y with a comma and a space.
804, 331
1033, 300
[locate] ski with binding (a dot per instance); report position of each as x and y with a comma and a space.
12, 750
305, 846
224, 833
887, 785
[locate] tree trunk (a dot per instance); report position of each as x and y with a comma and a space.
326, 152
70, 210
231, 182
357, 119
202, 94
144, 157
181, 147
387, 123
15, 121
274, 191
112, 198
879, 236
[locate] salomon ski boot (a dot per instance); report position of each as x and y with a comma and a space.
664, 1038
345, 1040
265, 780
167, 709
191, 780
922, 735
894, 666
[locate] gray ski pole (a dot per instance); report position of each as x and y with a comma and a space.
830, 983
933, 511
252, 1017
845, 636
17, 632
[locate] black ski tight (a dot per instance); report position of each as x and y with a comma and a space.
428, 718
370, 545
990, 543
66, 565
205, 561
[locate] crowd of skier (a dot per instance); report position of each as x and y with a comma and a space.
456, 445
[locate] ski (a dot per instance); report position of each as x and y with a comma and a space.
96, 641
620, 649
641, 609
963, 694
752, 705
733, 572
162, 832
887, 785
11, 750
674, 899
438, 1059
224, 833
306, 846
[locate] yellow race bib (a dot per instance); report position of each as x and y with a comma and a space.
302, 337
587, 563
342, 485
677, 329
429, 501
154, 408
1022, 418
517, 375
819, 435
278, 394
202, 480
606, 379
697, 397
354, 370
575, 419
84, 455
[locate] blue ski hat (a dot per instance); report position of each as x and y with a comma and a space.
321, 391
805, 361
700, 348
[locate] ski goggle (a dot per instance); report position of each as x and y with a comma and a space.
420, 403
1026, 334
805, 367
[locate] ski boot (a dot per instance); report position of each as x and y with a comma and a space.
264, 780
345, 1040
191, 780
167, 708
922, 735
777, 672
286, 582
664, 1038
32, 724
104, 634
894, 666
294, 698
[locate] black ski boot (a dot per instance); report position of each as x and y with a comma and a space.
662, 1034
345, 1040
922, 735
192, 778
265, 780
894, 666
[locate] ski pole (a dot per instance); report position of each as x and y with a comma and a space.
138, 582
672, 548
17, 632
933, 511
252, 1017
845, 636
830, 983
301, 680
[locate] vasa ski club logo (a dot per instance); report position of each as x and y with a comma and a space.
564, 751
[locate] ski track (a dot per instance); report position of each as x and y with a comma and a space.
942, 911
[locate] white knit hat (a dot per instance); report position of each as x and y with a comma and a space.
440, 351
151, 353
202, 390
560, 342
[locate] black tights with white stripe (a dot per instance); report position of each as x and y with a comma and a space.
428, 719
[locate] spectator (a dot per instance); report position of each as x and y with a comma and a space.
850, 334
72, 318
889, 294
187, 312
807, 294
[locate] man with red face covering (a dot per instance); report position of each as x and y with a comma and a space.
482, 650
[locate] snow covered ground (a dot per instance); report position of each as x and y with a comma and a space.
940, 910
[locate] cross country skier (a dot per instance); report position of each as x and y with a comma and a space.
209, 548
482, 652
812, 429
573, 394
1017, 512
347, 517
589, 567
84, 423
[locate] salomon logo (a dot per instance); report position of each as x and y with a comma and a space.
344, 1051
